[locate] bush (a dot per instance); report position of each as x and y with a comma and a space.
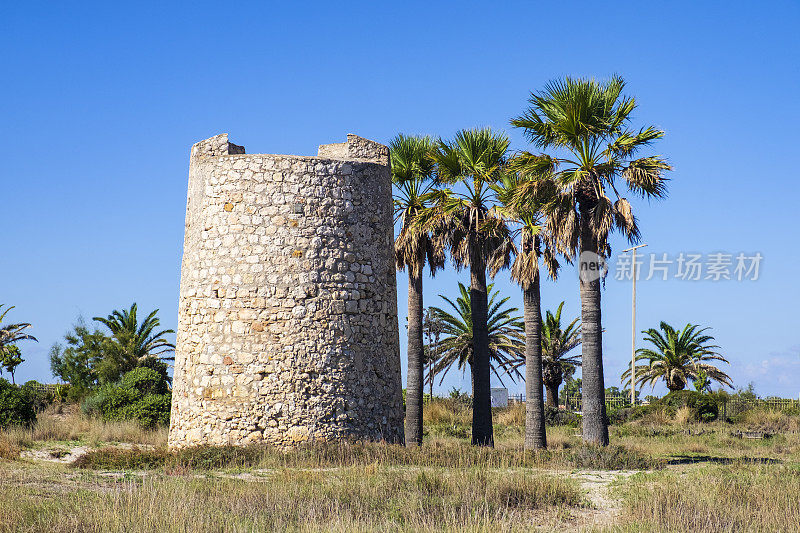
16, 406
151, 411
41, 398
704, 405
141, 395
612, 458
554, 416
144, 381
622, 415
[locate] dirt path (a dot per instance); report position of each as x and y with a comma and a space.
597, 484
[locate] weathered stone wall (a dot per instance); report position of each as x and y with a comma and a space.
287, 327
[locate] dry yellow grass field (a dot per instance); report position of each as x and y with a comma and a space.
662, 473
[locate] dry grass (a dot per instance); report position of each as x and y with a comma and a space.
718, 482
770, 420
444, 411
513, 415
345, 455
75, 427
355, 499
685, 415
729, 498
9, 451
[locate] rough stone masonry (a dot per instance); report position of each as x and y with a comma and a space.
287, 329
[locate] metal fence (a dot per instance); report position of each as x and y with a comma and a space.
574, 403
735, 406
45, 388
730, 407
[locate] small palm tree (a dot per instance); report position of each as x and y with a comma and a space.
506, 336
472, 231
12, 333
134, 342
587, 126
679, 356
557, 342
412, 170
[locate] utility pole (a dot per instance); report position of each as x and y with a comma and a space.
633, 323
433, 328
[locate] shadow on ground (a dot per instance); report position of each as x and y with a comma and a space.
691, 459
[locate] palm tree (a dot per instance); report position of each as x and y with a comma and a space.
557, 342
472, 232
525, 271
10, 334
678, 357
13, 333
134, 342
506, 333
587, 124
412, 170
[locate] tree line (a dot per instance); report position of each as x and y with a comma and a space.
487, 209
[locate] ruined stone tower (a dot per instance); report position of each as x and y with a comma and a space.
287, 328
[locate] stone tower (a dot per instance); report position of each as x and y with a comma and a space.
287, 328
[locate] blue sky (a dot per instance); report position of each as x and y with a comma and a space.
100, 103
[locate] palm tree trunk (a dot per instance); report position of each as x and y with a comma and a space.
482, 433
552, 394
414, 378
595, 424
535, 437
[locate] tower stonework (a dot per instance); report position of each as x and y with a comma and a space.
287, 328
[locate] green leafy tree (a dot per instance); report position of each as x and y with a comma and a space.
506, 336
415, 247
678, 356
10, 359
132, 342
572, 388
557, 342
79, 361
472, 231
585, 125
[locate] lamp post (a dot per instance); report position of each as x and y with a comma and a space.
633, 322
433, 328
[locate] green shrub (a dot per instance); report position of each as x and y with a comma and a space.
142, 395
145, 381
554, 416
41, 398
704, 405
622, 415
16, 406
152, 410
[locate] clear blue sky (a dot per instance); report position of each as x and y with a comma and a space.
100, 103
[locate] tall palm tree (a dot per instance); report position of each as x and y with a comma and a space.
506, 336
587, 126
13, 333
528, 217
472, 232
134, 342
412, 170
678, 357
557, 342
